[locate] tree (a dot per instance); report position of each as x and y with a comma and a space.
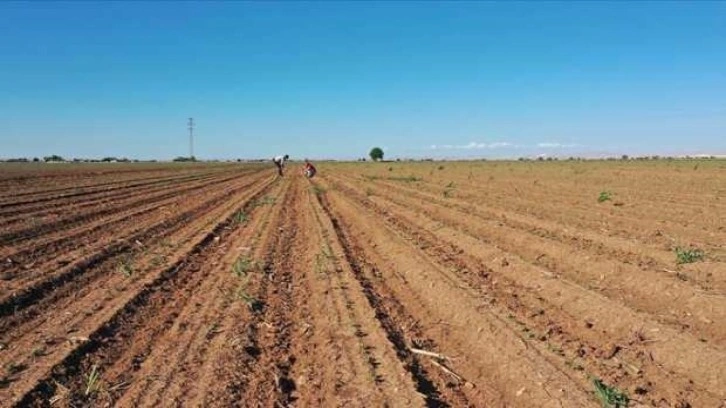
376, 154
185, 159
53, 158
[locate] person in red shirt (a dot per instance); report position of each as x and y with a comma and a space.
309, 170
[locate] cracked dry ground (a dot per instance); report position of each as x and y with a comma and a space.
462, 284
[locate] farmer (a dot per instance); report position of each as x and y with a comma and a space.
309, 170
280, 163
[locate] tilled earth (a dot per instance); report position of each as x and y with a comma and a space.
383, 284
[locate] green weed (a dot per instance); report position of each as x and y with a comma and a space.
242, 266
126, 266
38, 352
448, 191
688, 255
157, 260
14, 368
610, 397
321, 258
213, 330
93, 384
239, 217
252, 302
317, 190
265, 201
604, 196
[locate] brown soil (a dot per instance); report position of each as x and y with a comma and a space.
456, 284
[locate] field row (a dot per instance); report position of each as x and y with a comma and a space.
370, 285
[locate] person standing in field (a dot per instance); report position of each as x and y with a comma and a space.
280, 163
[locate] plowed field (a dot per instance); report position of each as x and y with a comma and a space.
480, 284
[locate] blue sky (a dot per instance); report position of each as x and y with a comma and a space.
327, 79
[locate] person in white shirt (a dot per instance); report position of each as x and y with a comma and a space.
280, 162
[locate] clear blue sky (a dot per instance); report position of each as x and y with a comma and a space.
328, 79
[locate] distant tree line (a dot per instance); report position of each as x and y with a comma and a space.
59, 159
185, 159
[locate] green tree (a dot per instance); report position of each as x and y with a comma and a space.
53, 158
376, 154
185, 159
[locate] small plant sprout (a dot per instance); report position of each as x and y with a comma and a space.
93, 384
242, 266
448, 190
125, 266
252, 302
688, 255
38, 352
239, 217
610, 397
265, 201
14, 368
213, 330
157, 260
317, 190
604, 196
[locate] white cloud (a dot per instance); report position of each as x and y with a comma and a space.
502, 145
473, 145
556, 145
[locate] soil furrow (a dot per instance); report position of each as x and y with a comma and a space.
15, 236
642, 289
85, 236
401, 327
155, 304
341, 326
33, 290
84, 199
446, 247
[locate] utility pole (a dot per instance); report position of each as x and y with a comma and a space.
191, 138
